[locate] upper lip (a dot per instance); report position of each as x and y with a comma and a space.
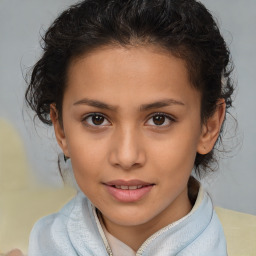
127, 183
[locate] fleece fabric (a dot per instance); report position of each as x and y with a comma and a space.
76, 231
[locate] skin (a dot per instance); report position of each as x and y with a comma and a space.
129, 144
15, 252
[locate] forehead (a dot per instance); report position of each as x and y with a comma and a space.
140, 60
119, 73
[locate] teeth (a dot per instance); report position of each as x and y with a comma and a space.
132, 187
128, 187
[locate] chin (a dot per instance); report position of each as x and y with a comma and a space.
130, 218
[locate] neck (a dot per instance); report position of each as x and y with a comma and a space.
134, 236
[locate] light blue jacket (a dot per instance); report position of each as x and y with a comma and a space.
76, 230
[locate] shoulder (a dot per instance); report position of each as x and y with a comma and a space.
210, 242
50, 233
60, 218
211, 239
70, 232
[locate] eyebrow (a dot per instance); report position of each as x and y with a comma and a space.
143, 107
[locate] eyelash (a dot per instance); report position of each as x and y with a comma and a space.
166, 116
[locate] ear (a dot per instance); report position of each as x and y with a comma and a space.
59, 130
211, 129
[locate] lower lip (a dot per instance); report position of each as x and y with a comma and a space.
128, 196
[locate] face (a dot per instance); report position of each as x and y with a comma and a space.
132, 128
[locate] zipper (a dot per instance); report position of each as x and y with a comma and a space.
155, 235
143, 246
161, 231
150, 239
105, 241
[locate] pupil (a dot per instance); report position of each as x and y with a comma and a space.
158, 120
97, 120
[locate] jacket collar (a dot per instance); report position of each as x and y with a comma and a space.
84, 226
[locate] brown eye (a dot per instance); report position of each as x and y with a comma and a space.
159, 120
97, 120
94, 120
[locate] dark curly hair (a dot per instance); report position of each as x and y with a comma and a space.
183, 27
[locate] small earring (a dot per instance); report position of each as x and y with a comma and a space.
65, 158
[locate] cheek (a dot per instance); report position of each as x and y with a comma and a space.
87, 157
87, 168
176, 155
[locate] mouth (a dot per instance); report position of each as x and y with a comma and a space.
127, 187
128, 191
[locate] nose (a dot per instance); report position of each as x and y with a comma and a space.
127, 150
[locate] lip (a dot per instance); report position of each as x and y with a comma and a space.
126, 195
127, 183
